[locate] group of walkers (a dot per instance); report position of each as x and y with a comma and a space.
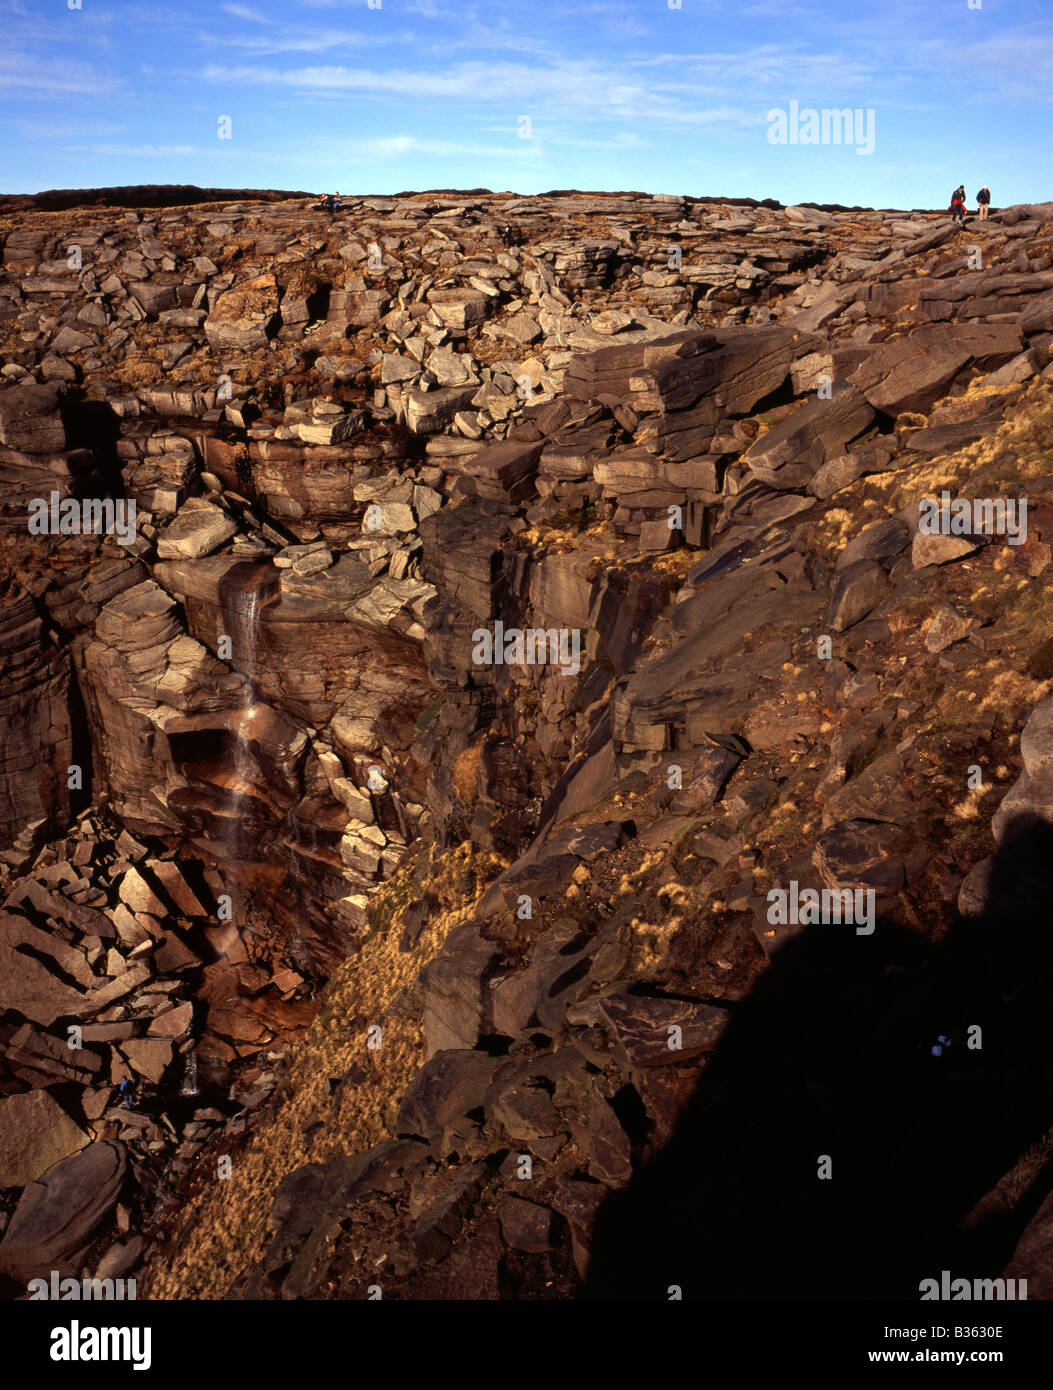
957, 208
329, 203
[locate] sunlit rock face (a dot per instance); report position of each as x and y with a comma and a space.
482, 605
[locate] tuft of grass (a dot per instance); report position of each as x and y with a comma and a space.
428, 716
226, 1224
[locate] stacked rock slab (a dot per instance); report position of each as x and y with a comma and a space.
358, 448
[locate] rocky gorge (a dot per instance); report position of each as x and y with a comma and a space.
340, 963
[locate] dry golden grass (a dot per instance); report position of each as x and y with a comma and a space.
138, 371
466, 773
832, 531
225, 1227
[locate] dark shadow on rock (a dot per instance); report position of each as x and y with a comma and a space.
94, 425
80, 745
832, 1054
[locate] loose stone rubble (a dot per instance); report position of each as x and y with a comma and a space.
258, 800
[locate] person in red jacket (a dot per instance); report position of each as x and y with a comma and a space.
957, 208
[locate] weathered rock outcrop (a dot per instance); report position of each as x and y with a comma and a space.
57, 1216
520, 631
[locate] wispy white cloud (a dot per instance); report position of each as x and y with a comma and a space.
244, 12
766, 65
618, 140
62, 130
437, 9
329, 78
144, 151
775, 9
589, 90
392, 146
1015, 67
50, 77
461, 32
620, 19
297, 40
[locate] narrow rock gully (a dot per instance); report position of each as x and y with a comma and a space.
336, 954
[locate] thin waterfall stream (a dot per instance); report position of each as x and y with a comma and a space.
241, 599
190, 1083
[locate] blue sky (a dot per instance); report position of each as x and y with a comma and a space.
334, 94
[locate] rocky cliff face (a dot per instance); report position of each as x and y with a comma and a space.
446, 650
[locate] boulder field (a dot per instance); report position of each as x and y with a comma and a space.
431, 638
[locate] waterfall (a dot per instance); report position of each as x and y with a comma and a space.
189, 1086
244, 661
240, 605
244, 638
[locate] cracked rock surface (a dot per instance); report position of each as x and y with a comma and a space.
459, 952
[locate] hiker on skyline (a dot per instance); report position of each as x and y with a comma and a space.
957, 208
983, 199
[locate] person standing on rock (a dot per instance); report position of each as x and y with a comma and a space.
983, 199
957, 208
